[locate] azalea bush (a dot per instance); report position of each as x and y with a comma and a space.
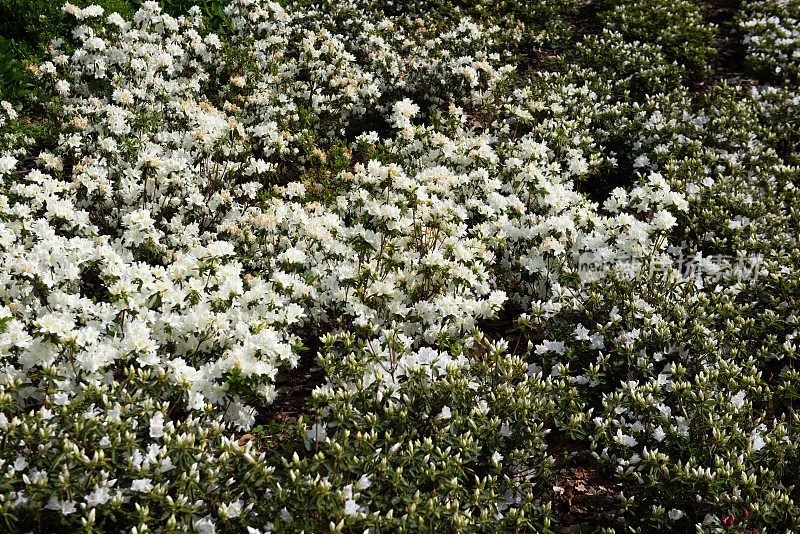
529, 267
771, 33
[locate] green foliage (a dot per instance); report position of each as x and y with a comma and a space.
772, 30
464, 445
213, 11
676, 26
16, 83
32, 24
378, 175
26, 29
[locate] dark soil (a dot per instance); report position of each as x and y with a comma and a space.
294, 387
584, 21
580, 491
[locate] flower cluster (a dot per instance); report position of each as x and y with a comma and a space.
396, 188
772, 36
677, 26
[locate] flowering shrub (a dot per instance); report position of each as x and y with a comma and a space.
678, 27
111, 454
516, 283
771, 32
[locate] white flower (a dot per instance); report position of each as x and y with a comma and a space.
663, 220
350, 507
295, 189
641, 161
445, 414
625, 440
98, 497
406, 108
234, 509
363, 482
61, 398
20, 463
757, 441
92, 10
659, 434
317, 432
205, 526
675, 514
142, 485
497, 457
7, 164
157, 425
62, 87
116, 19
581, 333
550, 346
534, 369
738, 400
65, 507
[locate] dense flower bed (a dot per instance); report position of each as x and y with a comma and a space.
538, 296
